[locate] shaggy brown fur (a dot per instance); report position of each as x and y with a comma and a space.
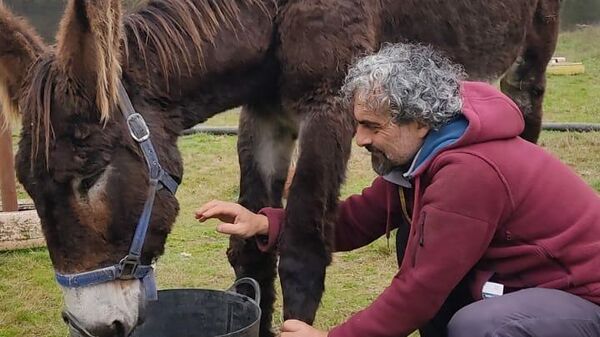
97, 25
168, 27
182, 61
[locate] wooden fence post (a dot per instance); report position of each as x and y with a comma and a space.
7, 171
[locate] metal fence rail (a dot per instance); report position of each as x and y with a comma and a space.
572, 127
564, 127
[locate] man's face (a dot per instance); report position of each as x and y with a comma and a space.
391, 145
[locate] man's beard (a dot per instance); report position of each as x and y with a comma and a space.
381, 164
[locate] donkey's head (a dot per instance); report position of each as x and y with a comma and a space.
87, 176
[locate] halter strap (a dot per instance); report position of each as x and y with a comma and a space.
130, 267
139, 131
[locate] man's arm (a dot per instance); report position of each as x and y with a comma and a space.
361, 218
460, 214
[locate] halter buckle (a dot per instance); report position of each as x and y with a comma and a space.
138, 129
128, 266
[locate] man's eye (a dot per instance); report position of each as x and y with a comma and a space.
370, 126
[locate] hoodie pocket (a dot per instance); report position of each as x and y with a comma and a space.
546, 256
420, 237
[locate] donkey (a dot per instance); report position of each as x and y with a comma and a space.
92, 172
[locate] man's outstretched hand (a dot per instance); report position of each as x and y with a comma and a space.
236, 219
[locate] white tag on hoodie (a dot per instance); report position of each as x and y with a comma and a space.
492, 289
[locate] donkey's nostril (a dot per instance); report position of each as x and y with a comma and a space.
119, 328
116, 329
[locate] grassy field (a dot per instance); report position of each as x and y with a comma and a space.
576, 98
30, 301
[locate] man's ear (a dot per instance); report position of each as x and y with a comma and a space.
422, 129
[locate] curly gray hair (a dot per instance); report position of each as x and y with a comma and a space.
411, 81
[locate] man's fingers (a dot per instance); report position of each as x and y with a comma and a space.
292, 325
239, 228
228, 228
199, 212
221, 210
216, 211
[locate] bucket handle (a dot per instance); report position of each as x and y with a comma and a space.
251, 282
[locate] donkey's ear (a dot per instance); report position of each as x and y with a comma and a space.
89, 40
19, 48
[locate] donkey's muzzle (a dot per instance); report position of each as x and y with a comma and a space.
76, 329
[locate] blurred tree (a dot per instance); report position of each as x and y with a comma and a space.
576, 12
45, 14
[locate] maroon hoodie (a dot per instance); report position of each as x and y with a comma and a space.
489, 205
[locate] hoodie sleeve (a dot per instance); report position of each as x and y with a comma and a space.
461, 208
361, 218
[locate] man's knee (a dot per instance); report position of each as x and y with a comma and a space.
530, 312
486, 319
470, 321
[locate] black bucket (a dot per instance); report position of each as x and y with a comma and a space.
202, 313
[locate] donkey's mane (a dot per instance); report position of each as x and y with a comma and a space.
167, 28
38, 100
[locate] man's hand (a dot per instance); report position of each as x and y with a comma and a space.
294, 328
237, 220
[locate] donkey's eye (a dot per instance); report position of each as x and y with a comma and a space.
81, 133
89, 181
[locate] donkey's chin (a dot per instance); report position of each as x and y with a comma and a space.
111, 309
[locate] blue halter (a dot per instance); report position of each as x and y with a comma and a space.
131, 267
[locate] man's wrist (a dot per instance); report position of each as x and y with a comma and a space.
263, 225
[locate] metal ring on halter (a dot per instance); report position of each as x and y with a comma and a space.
138, 129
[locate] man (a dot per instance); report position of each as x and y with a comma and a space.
480, 212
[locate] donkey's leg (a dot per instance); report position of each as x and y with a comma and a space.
314, 53
304, 247
265, 142
525, 82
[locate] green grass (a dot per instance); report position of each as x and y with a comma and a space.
30, 301
227, 118
576, 98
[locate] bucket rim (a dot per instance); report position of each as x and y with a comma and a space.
228, 292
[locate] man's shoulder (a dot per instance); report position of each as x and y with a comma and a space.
468, 165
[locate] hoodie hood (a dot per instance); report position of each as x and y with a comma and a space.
487, 115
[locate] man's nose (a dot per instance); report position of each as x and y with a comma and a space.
361, 137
